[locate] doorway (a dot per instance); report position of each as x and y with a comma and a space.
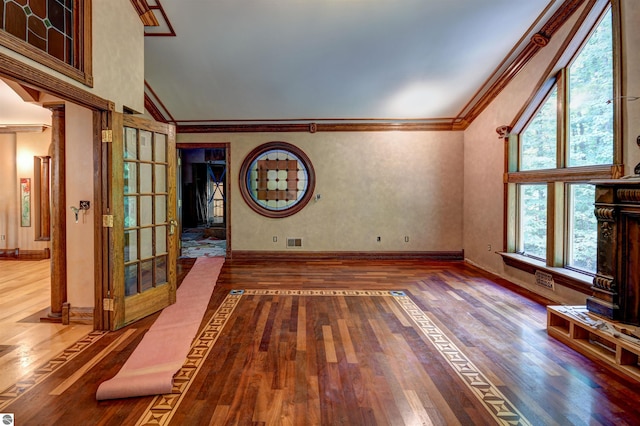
203, 206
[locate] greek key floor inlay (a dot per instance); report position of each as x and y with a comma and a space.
163, 407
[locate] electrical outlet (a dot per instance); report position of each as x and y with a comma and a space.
3, 237
488, 247
379, 239
406, 239
275, 239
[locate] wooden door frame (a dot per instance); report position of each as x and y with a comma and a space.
37, 81
227, 184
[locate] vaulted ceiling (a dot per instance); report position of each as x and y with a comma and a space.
279, 61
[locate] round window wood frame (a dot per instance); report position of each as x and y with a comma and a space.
245, 170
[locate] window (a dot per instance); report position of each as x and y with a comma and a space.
533, 220
557, 149
55, 33
277, 179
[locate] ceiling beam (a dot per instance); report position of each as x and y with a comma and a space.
146, 14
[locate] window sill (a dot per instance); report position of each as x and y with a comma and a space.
572, 279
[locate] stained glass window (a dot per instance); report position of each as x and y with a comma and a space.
278, 179
45, 24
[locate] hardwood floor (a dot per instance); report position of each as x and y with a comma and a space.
342, 342
26, 342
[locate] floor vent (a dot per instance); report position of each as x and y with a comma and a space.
545, 280
294, 242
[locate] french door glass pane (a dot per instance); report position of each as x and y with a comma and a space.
131, 279
146, 178
538, 142
583, 228
146, 243
161, 270
145, 146
161, 178
130, 143
146, 210
130, 211
590, 94
161, 209
161, 240
533, 220
130, 178
160, 153
130, 245
146, 279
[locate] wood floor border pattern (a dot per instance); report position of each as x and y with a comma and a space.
163, 407
24, 385
161, 410
502, 410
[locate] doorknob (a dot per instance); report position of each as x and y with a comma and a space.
172, 226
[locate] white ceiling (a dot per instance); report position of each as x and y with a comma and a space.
263, 60
15, 112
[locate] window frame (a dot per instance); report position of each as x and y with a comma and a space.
245, 171
83, 46
557, 179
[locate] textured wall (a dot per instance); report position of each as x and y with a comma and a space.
387, 184
79, 183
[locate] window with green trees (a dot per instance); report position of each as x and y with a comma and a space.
555, 151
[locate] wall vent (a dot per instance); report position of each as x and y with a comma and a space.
294, 242
544, 279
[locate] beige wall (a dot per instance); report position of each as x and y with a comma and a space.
387, 184
484, 156
8, 192
118, 55
16, 161
79, 186
29, 145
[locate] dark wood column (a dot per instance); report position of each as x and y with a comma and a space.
59, 217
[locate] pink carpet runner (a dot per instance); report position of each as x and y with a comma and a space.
164, 348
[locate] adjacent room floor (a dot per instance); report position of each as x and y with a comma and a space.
198, 242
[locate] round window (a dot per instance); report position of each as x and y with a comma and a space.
277, 179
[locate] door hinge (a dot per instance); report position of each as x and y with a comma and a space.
107, 304
107, 135
107, 221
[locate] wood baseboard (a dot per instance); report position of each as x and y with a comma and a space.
17, 254
81, 315
347, 255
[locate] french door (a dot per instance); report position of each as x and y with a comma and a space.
144, 250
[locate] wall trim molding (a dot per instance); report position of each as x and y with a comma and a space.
313, 127
17, 254
347, 255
